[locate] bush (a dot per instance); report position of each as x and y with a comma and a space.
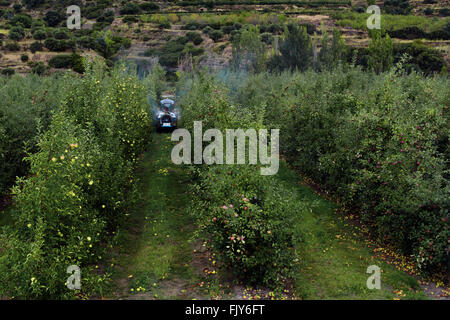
267, 38
428, 11
149, 6
21, 19
171, 53
129, 19
35, 46
72, 61
195, 37
53, 18
55, 45
8, 71
445, 12
397, 7
39, 68
25, 108
86, 42
24, 57
426, 59
227, 29
60, 34
130, 8
16, 33
192, 26
13, 46
164, 25
207, 30
39, 34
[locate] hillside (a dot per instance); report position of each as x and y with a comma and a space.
34, 32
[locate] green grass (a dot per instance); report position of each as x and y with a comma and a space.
154, 247
333, 257
395, 22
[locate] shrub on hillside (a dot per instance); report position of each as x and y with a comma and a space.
22, 19
7, 71
72, 61
149, 6
216, 35
53, 44
39, 34
195, 37
36, 46
130, 8
397, 7
25, 107
380, 143
13, 46
53, 18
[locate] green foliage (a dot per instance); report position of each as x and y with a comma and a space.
53, 44
36, 46
176, 49
267, 38
130, 8
39, 34
25, 108
390, 22
216, 35
244, 217
379, 143
296, 50
7, 71
16, 33
13, 46
397, 6
38, 68
22, 19
420, 57
31, 4
53, 18
149, 6
330, 56
80, 186
72, 61
381, 56
195, 37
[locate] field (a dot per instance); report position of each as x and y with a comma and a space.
354, 124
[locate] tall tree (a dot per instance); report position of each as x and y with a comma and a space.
381, 55
296, 49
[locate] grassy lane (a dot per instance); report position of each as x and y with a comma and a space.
156, 259
155, 253
333, 258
